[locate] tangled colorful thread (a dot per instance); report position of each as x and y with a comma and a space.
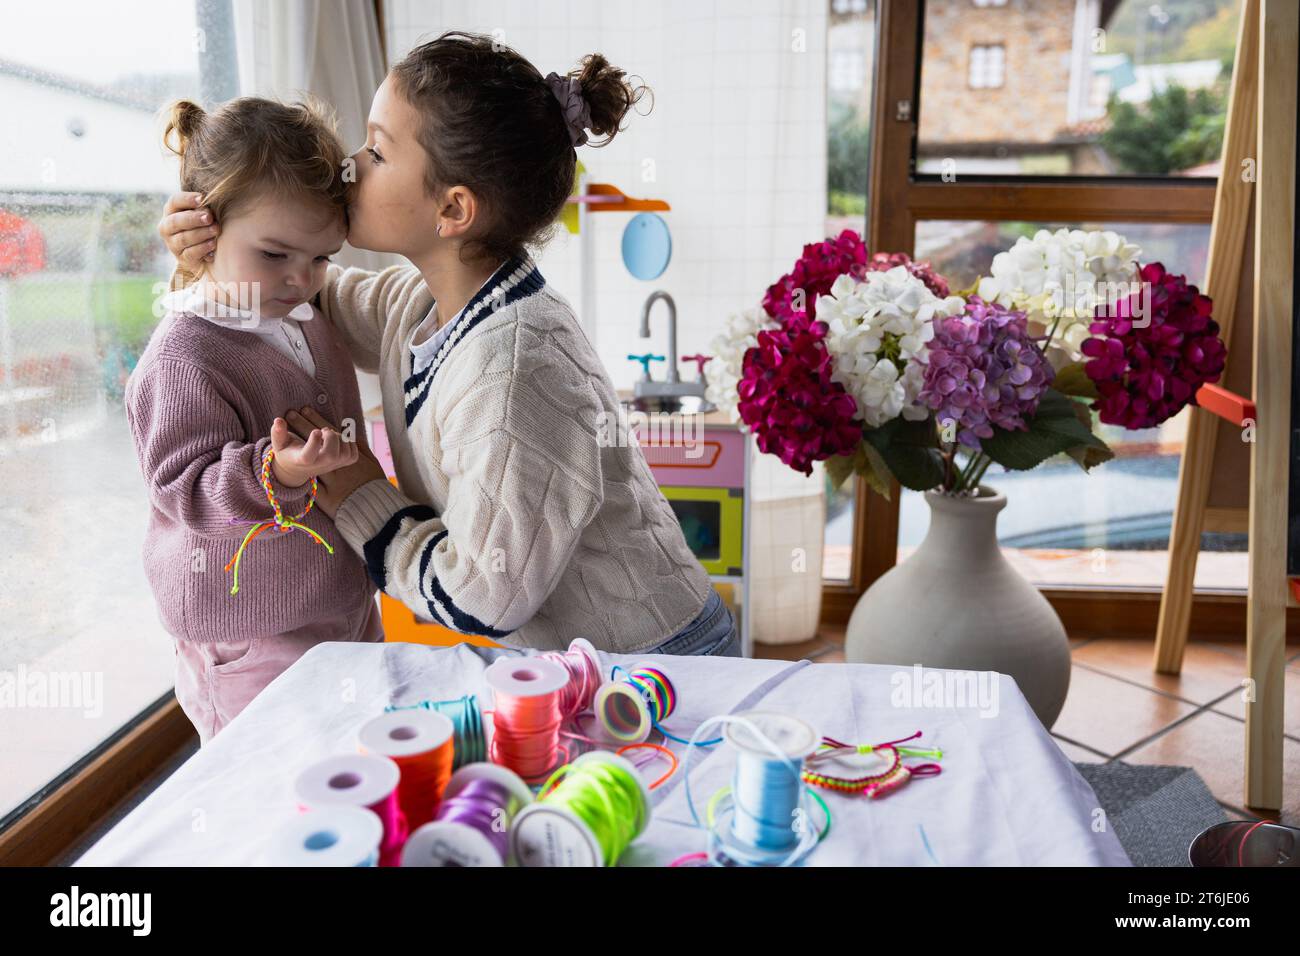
279, 521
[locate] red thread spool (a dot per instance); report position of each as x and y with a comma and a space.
358, 780
420, 743
527, 717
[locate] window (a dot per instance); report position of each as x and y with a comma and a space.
1115, 533
81, 191
990, 3
851, 39
986, 66
1121, 89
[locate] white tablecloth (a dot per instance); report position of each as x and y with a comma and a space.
1007, 794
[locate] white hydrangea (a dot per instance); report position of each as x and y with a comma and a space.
1059, 278
878, 335
728, 349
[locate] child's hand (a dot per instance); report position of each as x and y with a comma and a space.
296, 461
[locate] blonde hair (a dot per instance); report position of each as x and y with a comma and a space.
252, 147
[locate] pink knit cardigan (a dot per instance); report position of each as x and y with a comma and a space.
200, 404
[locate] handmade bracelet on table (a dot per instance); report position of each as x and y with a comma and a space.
278, 520
895, 774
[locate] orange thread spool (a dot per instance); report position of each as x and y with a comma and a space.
420, 742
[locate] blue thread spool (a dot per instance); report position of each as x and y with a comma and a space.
329, 836
770, 821
467, 726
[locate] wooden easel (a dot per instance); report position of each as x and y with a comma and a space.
1226, 483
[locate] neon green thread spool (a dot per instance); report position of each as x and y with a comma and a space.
587, 814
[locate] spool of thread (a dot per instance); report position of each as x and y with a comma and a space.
587, 814
582, 665
420, 743
469, 742
771, 820
526, 719
629, 709
472, 827
357, 780
330, 836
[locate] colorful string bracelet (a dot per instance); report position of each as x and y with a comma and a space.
278, 521
874, 785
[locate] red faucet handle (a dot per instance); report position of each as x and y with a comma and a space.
699, 360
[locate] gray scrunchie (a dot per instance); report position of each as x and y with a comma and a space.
577, 114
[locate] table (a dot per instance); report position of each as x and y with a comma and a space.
1007, 794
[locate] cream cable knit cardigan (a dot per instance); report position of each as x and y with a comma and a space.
530, 529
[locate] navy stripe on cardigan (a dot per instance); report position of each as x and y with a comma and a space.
376, 549
503, 289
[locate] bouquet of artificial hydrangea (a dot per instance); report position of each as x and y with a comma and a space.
869, 363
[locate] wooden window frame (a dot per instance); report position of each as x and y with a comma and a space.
897, 199
58, 816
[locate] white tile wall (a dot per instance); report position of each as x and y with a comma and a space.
736, 143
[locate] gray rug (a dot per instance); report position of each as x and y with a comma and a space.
1155, 811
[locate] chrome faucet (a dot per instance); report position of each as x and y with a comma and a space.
672, 329
666, 395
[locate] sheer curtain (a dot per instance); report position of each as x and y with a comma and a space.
329, 48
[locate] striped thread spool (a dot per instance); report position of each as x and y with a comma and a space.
629, 709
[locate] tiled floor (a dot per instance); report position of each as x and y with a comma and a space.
1120, 709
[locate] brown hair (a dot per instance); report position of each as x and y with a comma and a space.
491, 123
251, 147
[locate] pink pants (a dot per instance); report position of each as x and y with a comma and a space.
215, 681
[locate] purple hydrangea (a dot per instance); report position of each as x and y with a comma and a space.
984, 372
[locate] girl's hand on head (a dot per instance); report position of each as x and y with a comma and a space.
188, 230
336, 485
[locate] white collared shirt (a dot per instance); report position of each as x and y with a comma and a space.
285, 334
423, 352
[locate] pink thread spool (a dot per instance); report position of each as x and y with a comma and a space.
357, 780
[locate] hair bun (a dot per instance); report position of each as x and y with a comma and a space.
608, 94
185, 120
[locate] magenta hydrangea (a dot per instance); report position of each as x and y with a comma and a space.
817, 268
788, 400
1147, 367
984, 372
884, 261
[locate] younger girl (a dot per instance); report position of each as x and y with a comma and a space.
237, 346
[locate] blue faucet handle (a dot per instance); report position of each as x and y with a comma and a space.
645, 361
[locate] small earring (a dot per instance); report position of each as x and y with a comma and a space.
438, 230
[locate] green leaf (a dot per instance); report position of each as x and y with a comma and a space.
1072, 380
1091, 454
875, 472
1056, 427
910, 451
839, 467
864, 461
